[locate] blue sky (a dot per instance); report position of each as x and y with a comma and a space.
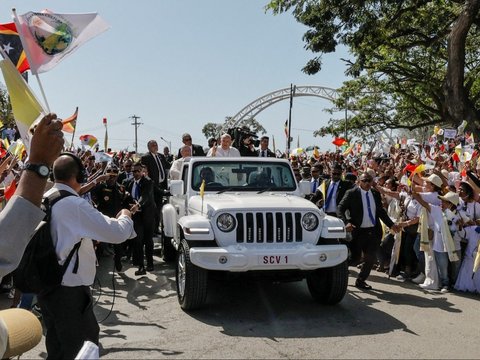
178, 64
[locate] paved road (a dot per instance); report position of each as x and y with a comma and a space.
248, 319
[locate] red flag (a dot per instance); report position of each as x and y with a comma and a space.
410, 168
339, 141
70, 122
12, 45
455, 157
10, 190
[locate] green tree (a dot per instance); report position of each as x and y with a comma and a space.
215, 129
414, 62
6, 115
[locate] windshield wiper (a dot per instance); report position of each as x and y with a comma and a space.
264, 190
226, 189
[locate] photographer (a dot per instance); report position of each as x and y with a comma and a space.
247, 147
68, 309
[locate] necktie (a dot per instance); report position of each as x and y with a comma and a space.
315, 185
161, 173
370, 215
263, 153
136, 191
330, 195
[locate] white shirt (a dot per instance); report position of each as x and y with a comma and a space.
332, 205
176, 169
230, 152
432, 199
366, 222
413, 207
437, 213
74, 220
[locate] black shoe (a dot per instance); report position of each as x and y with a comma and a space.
150, 268
360, 284
141, 271
118, 263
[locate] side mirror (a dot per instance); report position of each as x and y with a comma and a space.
176, 187
305, 187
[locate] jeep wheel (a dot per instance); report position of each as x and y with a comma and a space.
168, 250
328, 286
191, 280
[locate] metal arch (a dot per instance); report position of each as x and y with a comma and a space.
260, 104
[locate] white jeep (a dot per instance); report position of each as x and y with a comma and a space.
250, 215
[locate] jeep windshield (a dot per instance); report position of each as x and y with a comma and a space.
243, 176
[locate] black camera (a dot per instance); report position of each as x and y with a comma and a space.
239, 134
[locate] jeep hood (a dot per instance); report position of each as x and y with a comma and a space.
257, 202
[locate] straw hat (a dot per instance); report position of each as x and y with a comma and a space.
451, 197
20, 329
435, 180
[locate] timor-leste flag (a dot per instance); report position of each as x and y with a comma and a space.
12, 45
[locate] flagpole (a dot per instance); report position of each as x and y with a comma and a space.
29, 56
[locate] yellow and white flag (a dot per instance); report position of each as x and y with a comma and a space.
202, 189
27, 110
48, 37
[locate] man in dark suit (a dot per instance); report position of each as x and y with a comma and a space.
197, 150
141, 194
335, 189
263, 150
109, 198
126, 174
156, 167
366, 211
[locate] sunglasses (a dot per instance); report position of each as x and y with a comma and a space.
137, 171
337, 174
187, 139
366, 180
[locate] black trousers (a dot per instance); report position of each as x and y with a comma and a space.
144, 228
365, 241
69, 320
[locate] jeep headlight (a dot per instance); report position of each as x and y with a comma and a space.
309, 221
226, 222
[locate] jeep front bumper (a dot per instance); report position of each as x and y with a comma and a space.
241, 258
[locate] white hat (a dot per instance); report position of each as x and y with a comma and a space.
435, 180
451, 197
20, 331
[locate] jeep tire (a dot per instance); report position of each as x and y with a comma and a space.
191, 281
328, 286
168, 251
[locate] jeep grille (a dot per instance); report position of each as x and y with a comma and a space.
269, 227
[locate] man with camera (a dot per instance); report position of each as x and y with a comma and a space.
247, 145
68, 309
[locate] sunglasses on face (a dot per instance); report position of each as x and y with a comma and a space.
135, 171
366, 180
336, 174
187, 139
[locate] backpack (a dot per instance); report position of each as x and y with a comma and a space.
39, 270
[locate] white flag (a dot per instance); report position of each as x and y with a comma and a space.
48, 38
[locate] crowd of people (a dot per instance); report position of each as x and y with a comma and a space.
411, 212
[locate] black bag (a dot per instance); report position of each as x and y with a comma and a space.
39, 270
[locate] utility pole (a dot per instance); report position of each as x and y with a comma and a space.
292, 94
137, 124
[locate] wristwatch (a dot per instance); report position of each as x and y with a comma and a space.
42, 170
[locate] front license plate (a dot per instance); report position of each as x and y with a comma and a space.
273, 259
